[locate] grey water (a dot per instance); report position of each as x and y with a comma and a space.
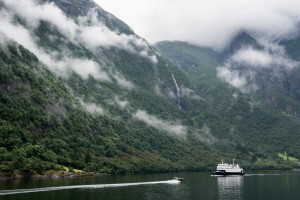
197, 185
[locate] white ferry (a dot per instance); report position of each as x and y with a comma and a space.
225, 169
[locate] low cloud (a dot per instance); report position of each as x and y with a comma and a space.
148, 54
188, 93
117, 101
253, 57
87, 68
85, 30
171, 128
94, 34
122, 104
3, 39
205, 136
207, 23
232, 77
32, 13
16, 31
63, 63
91, 108
235, 95
121, 80
271, 55
108, 39
62, 66
242, 68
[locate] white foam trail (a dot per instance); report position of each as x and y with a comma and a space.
262, 174
48, 189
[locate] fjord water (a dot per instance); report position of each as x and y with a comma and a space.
200, 185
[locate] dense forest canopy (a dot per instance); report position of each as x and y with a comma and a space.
84, 93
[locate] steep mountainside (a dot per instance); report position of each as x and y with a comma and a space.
259, 101
80, 90
103, 102
82, 8
269, 71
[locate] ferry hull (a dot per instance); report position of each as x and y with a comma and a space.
227, 173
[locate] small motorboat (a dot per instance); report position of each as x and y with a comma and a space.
178, 179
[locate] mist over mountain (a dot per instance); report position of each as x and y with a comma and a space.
251, 71
212, 24
254, 66
79, 89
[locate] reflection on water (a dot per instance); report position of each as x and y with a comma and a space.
230, 187
197, 185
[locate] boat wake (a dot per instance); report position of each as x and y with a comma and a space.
96, 186
262, 174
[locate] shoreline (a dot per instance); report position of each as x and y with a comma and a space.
68, 175
49, 175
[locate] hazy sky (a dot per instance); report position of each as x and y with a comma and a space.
206, 22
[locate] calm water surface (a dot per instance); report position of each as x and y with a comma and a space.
266, 185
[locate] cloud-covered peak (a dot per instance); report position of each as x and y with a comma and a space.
242, 68
20, 20
207, 23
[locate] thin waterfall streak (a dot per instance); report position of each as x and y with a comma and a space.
178, 95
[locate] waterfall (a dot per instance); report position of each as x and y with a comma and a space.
177, 91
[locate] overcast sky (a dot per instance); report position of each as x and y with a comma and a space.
206, 22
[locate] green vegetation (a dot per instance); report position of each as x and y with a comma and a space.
45, 124
286, 157
43, 127
252, 124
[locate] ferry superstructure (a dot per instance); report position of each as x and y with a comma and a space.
224, 169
